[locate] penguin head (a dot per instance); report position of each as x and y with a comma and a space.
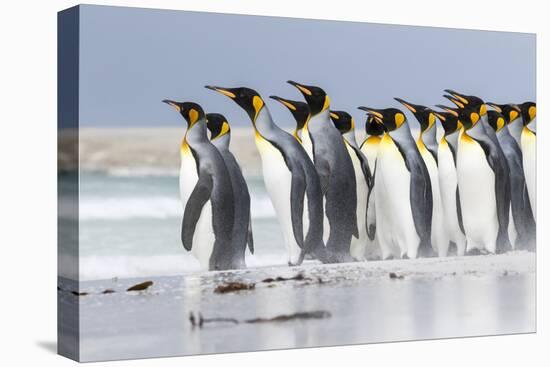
496, 120
391, 118
469, 117
316, 98
191, 112
528, 111
423, 114
374, 127
217, 124
247, 98
449, 120
299, 110
463, 101
343, 121
509, 111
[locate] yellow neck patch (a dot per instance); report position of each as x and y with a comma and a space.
258, 104
224, 130
431, 120
483, 110
193, 116
500, 123
326, 105
513, 115
532, 112
399, 119
474, 117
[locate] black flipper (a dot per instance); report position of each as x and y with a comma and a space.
497, 162
297, 194
200, 195
250, 238
459, 211
420, 196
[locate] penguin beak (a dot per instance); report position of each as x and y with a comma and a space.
409, 106
439, 116
285, 102
451, 98
300, 87
371, 111
495, 106
457, 96
448, 109
225, 91
172, 103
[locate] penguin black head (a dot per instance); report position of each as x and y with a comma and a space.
510, 111
343, 121
464, 101
217, 124
299, 110
247, 98
528, 111
469, 117
316, 98
423, 114
392, 118
449, 120
374, 127
191, 112
496, 120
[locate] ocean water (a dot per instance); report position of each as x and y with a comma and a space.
130, 227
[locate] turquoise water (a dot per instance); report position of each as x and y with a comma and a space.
130, 226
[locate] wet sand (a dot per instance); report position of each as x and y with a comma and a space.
368, 302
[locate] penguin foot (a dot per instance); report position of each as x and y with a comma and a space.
405, 257
474, 252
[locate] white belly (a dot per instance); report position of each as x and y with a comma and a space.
307, 143
358, 245
529, 149
447, 187
370, 149
396, 232
476, 183
439, 237
277, 179
203, 239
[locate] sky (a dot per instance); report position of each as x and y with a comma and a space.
132, 58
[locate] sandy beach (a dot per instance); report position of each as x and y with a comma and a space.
369, 302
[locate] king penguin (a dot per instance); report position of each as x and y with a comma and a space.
289, 176
402, 189
345, 123
300, 112
486, 137
427, 145
335, 169
529, 149
374, 131
220, 136
206, 194
448, 184
521, 229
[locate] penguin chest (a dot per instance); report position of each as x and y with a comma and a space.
448, 186
203, 239
278, 179
370, 149
307, 143
476, 183
392, 190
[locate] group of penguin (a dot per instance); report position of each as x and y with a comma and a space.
472, 191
